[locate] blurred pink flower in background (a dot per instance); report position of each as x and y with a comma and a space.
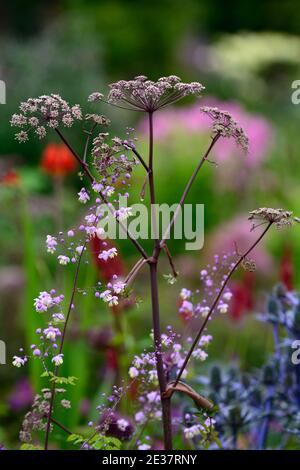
237, 230
190, 120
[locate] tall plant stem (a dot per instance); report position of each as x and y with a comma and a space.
187, 189
216, 300
88, 173
165, 402
51, 405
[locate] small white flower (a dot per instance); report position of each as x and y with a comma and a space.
18, 361
138, 362
51, 333
185, 294
123, 213
153, 375
97, 187
205, 340
109, 191
43, 302
133, 372
204, 311
58, 360
139, 417
91, 231
106, 295
122, 424
51, 243
227, 296
193, 431
200, 354
83, 196
90, 219
223, 308
153, 397
80, 249
113, 301
144, 447
64, 260
107, 254
100, 232
118, 287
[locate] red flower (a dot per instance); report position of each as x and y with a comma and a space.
242, 300
112, 360
287, 269
57, 160
10, 178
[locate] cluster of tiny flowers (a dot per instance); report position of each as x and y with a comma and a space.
196, 431
142, 94
109, 157
46, 345
46, 111
36, 419
110, 422
279, 217
210, 278
114, 289
98, 119
225, 126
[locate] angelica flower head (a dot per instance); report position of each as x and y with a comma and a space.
142, 94
46, 111
279, 217
225, 126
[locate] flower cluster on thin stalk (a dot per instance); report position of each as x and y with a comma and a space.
197, 304
49, 334
225, 126
36, 419
142, 94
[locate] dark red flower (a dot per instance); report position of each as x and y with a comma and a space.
107, 269
57, 160
10, 178
287, 269
242, 299
112, 360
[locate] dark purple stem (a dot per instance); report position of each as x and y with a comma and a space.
165, 403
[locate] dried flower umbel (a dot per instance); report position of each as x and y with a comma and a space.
46, 111
279, 217
225, 126
142, 94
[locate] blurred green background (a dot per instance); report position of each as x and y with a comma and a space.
247, 54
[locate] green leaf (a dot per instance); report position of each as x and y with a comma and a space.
30, 447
